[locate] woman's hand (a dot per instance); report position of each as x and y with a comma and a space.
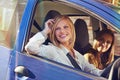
48, 25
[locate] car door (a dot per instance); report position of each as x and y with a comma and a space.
10, 17
40, 68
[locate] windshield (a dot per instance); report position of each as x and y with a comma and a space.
10, 17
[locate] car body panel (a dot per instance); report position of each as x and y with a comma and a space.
43, 69
25, 23
4, 61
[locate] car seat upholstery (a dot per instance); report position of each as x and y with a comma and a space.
82, 44
50, 15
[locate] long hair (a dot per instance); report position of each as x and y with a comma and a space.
108, 56
52, 36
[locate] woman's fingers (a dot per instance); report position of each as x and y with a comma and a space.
50, 23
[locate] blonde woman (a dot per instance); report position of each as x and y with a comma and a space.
62, 36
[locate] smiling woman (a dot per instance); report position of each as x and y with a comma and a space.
102, 53
62, 35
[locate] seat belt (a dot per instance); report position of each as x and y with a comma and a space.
74, 63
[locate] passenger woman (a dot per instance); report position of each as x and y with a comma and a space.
103, 49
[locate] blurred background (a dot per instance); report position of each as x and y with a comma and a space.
114, 2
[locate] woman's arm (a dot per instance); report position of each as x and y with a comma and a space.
91, 68
34, 43
33, 46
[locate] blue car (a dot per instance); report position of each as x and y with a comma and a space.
21, 19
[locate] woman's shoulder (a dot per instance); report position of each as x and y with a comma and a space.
52, 46
79, 55
88, 54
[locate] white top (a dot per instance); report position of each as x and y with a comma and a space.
58, 54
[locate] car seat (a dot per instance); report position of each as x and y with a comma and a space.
82, 44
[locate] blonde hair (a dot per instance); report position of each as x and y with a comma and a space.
52, 36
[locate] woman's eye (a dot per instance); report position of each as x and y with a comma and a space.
108, 42
57, 28
65, 27
105, 41
101, 40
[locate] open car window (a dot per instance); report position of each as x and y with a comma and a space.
93, 21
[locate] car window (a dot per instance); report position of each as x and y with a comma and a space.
93, 21
10, 17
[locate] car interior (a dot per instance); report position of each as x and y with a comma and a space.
82, 44
93, 23
90, 23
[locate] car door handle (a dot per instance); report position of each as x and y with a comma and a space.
22, 71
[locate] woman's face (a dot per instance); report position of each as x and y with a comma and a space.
63, 32
104, 43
